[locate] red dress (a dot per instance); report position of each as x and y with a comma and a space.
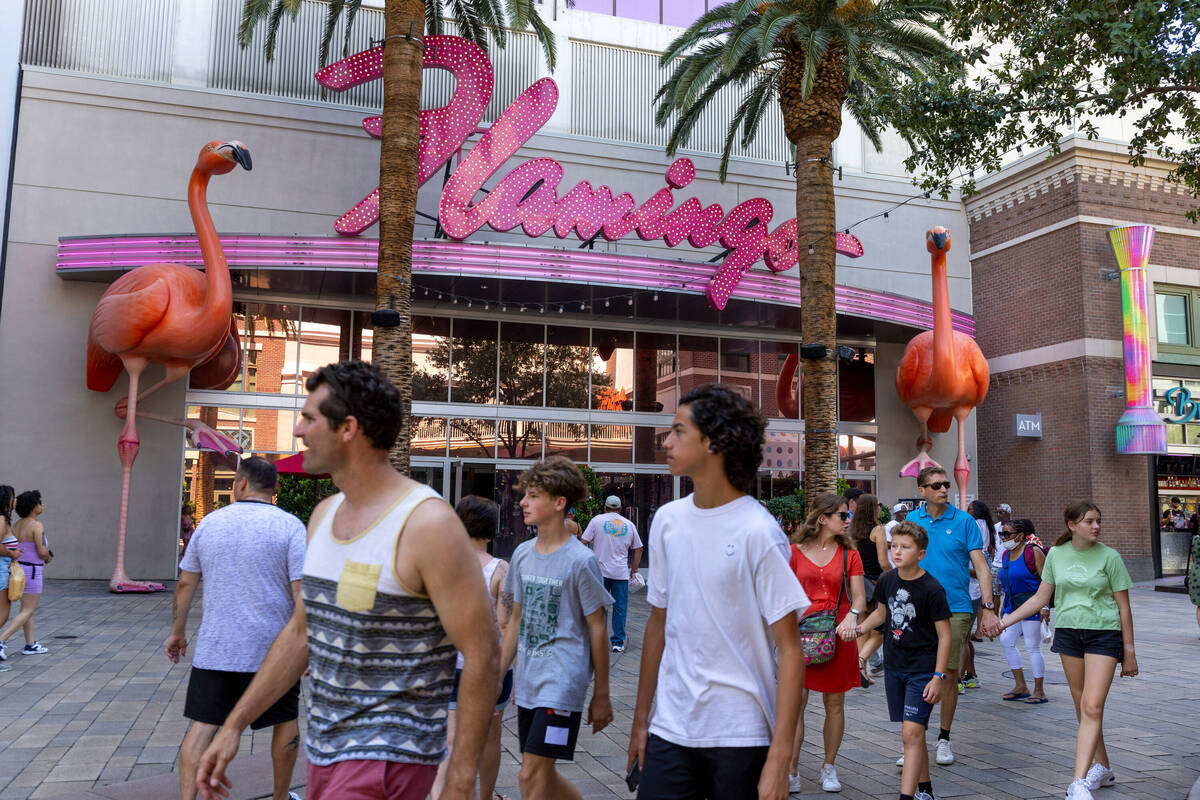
822, 584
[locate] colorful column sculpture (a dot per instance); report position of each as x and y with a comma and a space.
1139, 430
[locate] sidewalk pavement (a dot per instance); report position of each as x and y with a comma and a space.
100, 716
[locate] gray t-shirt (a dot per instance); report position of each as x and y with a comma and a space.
248, 553
556, 593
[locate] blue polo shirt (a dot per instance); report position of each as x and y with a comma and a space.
952, 537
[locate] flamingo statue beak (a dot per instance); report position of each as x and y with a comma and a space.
939, 239
240, 154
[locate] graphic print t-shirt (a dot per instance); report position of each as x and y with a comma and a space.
1084, 582
556, 593
909, 637
612, 537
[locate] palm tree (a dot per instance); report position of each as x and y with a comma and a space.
815, 57
405, 24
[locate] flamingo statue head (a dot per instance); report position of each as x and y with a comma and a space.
937, 240
219, 158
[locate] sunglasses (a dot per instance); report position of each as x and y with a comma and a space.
937, 485
1006, 535
845, 515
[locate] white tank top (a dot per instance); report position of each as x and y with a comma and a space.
489, 570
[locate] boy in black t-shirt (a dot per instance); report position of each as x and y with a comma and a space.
912, 606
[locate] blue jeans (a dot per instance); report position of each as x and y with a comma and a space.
620, 592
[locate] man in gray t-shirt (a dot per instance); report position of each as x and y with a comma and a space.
251, 556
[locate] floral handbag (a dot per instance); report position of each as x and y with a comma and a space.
818, 634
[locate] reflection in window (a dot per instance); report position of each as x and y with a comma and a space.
431, 358
771, 363
1172, 318
567, 439
323, 332
567, 367
472, 438
781, 451
856, 453
856, 387
697, 362
522, 364
272, 333
473, 373
428, 437
648, 445
520, 438
657, 368
612, 443
612, 367
739, 367
512, 530
777, 484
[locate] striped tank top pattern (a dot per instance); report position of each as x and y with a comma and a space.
382, 666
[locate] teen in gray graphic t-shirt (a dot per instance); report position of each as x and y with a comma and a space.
556, 593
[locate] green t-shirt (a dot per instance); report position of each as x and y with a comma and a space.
1084, 582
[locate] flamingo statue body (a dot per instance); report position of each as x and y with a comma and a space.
942, 375
172, 315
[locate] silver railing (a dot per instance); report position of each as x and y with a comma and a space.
611, 88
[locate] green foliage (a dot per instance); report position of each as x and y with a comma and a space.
744, 44
300, 496
791, 507
474, 20
1061, 66
594, 501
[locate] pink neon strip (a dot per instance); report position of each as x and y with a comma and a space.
466, 259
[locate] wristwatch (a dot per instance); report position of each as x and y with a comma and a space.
855, 612
990, 606
941, 675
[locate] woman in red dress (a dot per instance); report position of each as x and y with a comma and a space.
817, 559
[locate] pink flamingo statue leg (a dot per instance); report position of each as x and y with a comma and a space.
962, 467
127, 447
913, 468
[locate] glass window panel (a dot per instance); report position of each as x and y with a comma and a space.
567, 367
473, 371
656, 369
648, 445
1172, 318
638, 9
739, 367
512, 529
781, 451
365, 336
269, 430
431, 358
856, 453
771, 367
238, 384
866, 484
567, 439
522, 364
272, 333
612, 370
473, 438
697, 362
612, 443
681, 12
325, 335
520, 438
428, 437
650, 493
777, 483
209, 477
856, 387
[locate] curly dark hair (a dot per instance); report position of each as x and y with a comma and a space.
27, 502
360, 390
734, 428
557, 476
479, 516
7, 493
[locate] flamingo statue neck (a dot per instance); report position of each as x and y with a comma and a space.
943, 327
218, 294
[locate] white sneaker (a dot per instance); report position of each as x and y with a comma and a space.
900, 762
1100, 777
924, 796
618, 648
34, 649
1078, 790
795, 784
945, 756
3, 652
829, 779
294, 796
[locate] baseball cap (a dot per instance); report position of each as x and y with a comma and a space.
612, 501
896, 509
1005, 507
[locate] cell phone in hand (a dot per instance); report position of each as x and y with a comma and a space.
635, 774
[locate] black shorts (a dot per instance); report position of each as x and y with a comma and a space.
546, 732
501, 701
905, 699
675, 772
212, 694
1077, 642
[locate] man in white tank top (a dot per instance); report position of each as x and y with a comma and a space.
389, 574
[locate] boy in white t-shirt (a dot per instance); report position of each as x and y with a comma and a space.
723, 600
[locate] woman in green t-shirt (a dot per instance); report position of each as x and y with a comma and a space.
1093, 632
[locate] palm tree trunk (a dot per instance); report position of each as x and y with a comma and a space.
403, 59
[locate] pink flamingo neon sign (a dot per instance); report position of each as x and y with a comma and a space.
528, 195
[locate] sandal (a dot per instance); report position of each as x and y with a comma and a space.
1015, 696
1036, 701
863, 677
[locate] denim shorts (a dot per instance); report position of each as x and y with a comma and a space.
904, 696
1077, 642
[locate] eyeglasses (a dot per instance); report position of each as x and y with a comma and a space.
937, 485
845, 515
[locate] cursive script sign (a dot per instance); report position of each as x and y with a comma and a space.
528, 195
1185, 409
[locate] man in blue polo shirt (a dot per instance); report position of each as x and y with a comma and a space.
955, 544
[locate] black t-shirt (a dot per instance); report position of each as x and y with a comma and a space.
910, 639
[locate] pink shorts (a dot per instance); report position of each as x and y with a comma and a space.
370, 780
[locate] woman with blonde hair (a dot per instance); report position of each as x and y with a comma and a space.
1093, 633
830, 570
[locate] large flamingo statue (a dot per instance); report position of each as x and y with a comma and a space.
942, 375
173, 315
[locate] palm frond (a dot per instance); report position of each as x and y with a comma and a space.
545, 37
352, 9
331, 19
